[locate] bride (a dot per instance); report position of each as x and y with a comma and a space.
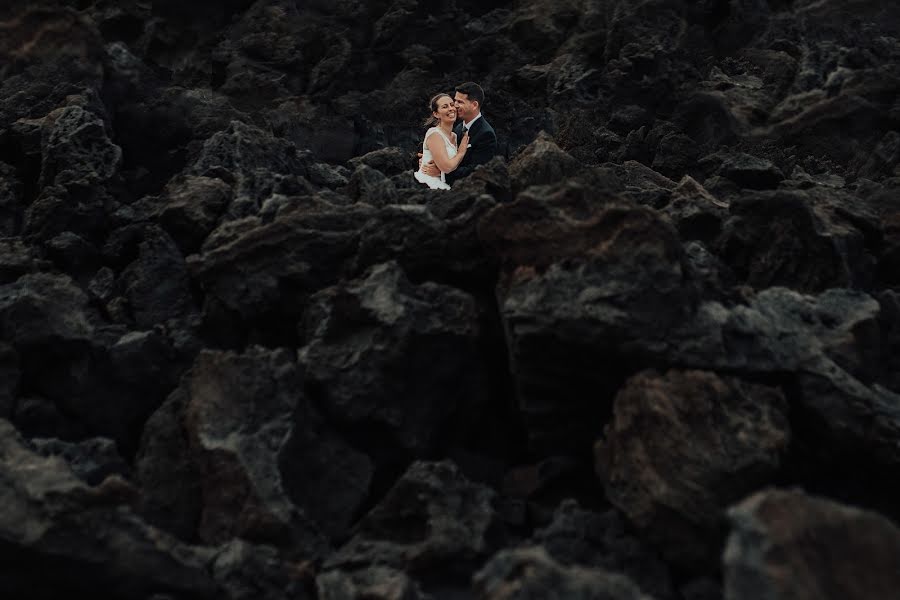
440, 142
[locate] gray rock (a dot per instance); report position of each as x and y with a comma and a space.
581, 537
9, 379
529, 572
44, 310
372, 583
91, 460
389, 355
390, 161
794, 239
192, 210
786, 544
16, 259
542, 162
371, 186
156, 284
241, 445
76, 149
87, 537
430, 519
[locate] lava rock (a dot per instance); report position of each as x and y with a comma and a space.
373, 583
431, 516
372, 340
530, 573
271, 474
577, 536
681, 447
85, 536
787, 544
91, 460
542, 162
192, 210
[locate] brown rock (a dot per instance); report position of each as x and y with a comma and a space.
788, 545
681, 447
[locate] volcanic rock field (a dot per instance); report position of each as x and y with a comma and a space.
650, 351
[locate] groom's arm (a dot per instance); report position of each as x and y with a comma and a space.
484, 148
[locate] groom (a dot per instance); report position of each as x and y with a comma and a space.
469, 99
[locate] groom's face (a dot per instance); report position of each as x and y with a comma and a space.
465, 108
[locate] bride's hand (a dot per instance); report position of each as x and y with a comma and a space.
464, 144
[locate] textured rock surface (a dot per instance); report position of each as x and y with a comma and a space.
231, 313
786, 544
681, 447
531, 573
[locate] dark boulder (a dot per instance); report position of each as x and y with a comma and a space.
528, 572
431, 517
786, 544
681, 447
270, 472
386, 355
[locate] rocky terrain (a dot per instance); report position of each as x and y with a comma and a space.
651, 351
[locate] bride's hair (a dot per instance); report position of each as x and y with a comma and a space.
433, 104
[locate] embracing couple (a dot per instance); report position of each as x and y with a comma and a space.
452, 149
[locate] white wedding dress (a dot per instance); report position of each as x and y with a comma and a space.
435, 183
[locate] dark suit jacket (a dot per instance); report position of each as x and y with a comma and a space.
484, 148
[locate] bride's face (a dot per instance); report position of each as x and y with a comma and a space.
446, 110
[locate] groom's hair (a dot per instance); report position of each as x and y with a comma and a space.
473, 91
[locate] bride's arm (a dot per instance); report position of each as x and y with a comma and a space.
439, 154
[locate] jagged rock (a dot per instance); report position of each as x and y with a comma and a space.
40, 310
257, 277
675, 155
144, 359
786, 544
601, 540
9, 379
156, 284
192, 210
73, 254
328, 175
172, 482
16, 259
684, 445
745, 170
889, 302
431, 519
10, 201
373, 583
712, 277
241, 454
888, 211
389, 356
36, 416
823, 343
91, 460
243, 149
87, 537
642, 184
102, 285
255, 572
789, 238
615, 274
696, 213
76, 209
389, 161
547, 224
530, 573
542, 162
77, 149
371, 186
